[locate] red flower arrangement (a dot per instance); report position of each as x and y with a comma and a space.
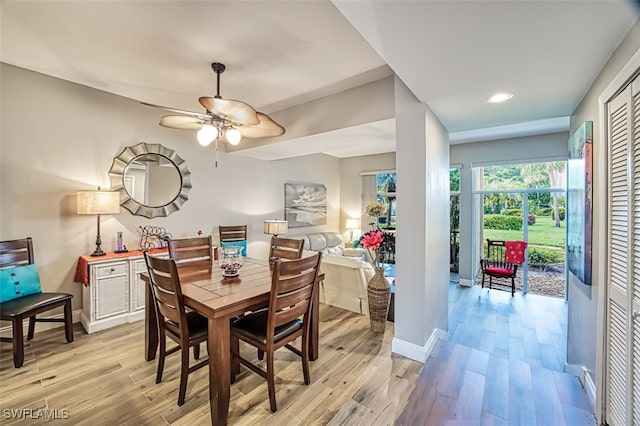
372, 240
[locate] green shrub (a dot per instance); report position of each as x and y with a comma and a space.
560, 213
498, 221
545, 211
538, 255
514, 212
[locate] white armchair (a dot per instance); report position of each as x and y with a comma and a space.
345, 283
346, 273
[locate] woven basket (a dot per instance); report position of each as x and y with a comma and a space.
379, 294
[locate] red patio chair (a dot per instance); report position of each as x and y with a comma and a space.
502, 261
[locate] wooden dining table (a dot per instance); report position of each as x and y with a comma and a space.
218, 298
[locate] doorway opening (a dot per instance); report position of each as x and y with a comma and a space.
525, 202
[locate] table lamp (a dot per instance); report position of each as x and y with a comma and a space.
98, 202
276, 227
352, 225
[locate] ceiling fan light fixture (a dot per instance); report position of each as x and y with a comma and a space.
233, 136
500, 97
207, 134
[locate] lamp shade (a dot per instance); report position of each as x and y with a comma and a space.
98, 202
352, 224
276, 227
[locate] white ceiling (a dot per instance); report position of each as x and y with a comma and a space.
452, 54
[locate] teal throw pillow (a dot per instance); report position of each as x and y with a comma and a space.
18, 281
356, 243
242, 244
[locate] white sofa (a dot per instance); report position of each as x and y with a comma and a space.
346, 274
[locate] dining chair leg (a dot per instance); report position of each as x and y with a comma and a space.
161, 357
196, 351
305, 358
32, 327
18, 342
260, 355
184, 374
482, 280
68, 321
271, 382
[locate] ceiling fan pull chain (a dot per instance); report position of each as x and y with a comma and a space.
216, 149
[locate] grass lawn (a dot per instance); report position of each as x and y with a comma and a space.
543, 233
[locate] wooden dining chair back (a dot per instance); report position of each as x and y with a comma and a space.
293, 286
191, 249
235, 235
499, 263
187, 329
286, 248
24, 297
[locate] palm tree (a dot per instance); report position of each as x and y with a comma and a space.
556, 172
537, 173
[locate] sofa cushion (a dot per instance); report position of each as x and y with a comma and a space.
325, 242
333, 239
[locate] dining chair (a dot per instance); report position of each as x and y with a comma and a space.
293, 285
285, 248
187, 329
191, 249
22, 296
234, 235
502, 261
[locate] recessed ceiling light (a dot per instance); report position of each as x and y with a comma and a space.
500, 97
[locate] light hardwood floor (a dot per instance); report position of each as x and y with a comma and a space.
501, 366
103, 379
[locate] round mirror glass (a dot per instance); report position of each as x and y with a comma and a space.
152, 180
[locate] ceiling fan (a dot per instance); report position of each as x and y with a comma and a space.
235, 119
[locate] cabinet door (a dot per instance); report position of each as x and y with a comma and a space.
137, 285
622, 395
112, 290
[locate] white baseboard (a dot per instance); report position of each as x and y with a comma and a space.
465, 282
415, 352
6, 331
585, 378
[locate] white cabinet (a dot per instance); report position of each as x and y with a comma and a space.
137, 287
115, 294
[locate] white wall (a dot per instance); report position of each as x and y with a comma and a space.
59, 137
582, 346
422, 238
505, 151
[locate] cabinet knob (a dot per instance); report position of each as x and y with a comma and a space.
113, 269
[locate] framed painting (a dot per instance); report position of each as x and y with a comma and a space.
580, 202
305, 204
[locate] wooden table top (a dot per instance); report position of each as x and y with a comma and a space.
213, 295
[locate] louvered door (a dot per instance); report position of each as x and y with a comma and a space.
622, 396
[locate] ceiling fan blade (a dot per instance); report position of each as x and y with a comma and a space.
182, 122
178, 111
232, 110
266, 129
